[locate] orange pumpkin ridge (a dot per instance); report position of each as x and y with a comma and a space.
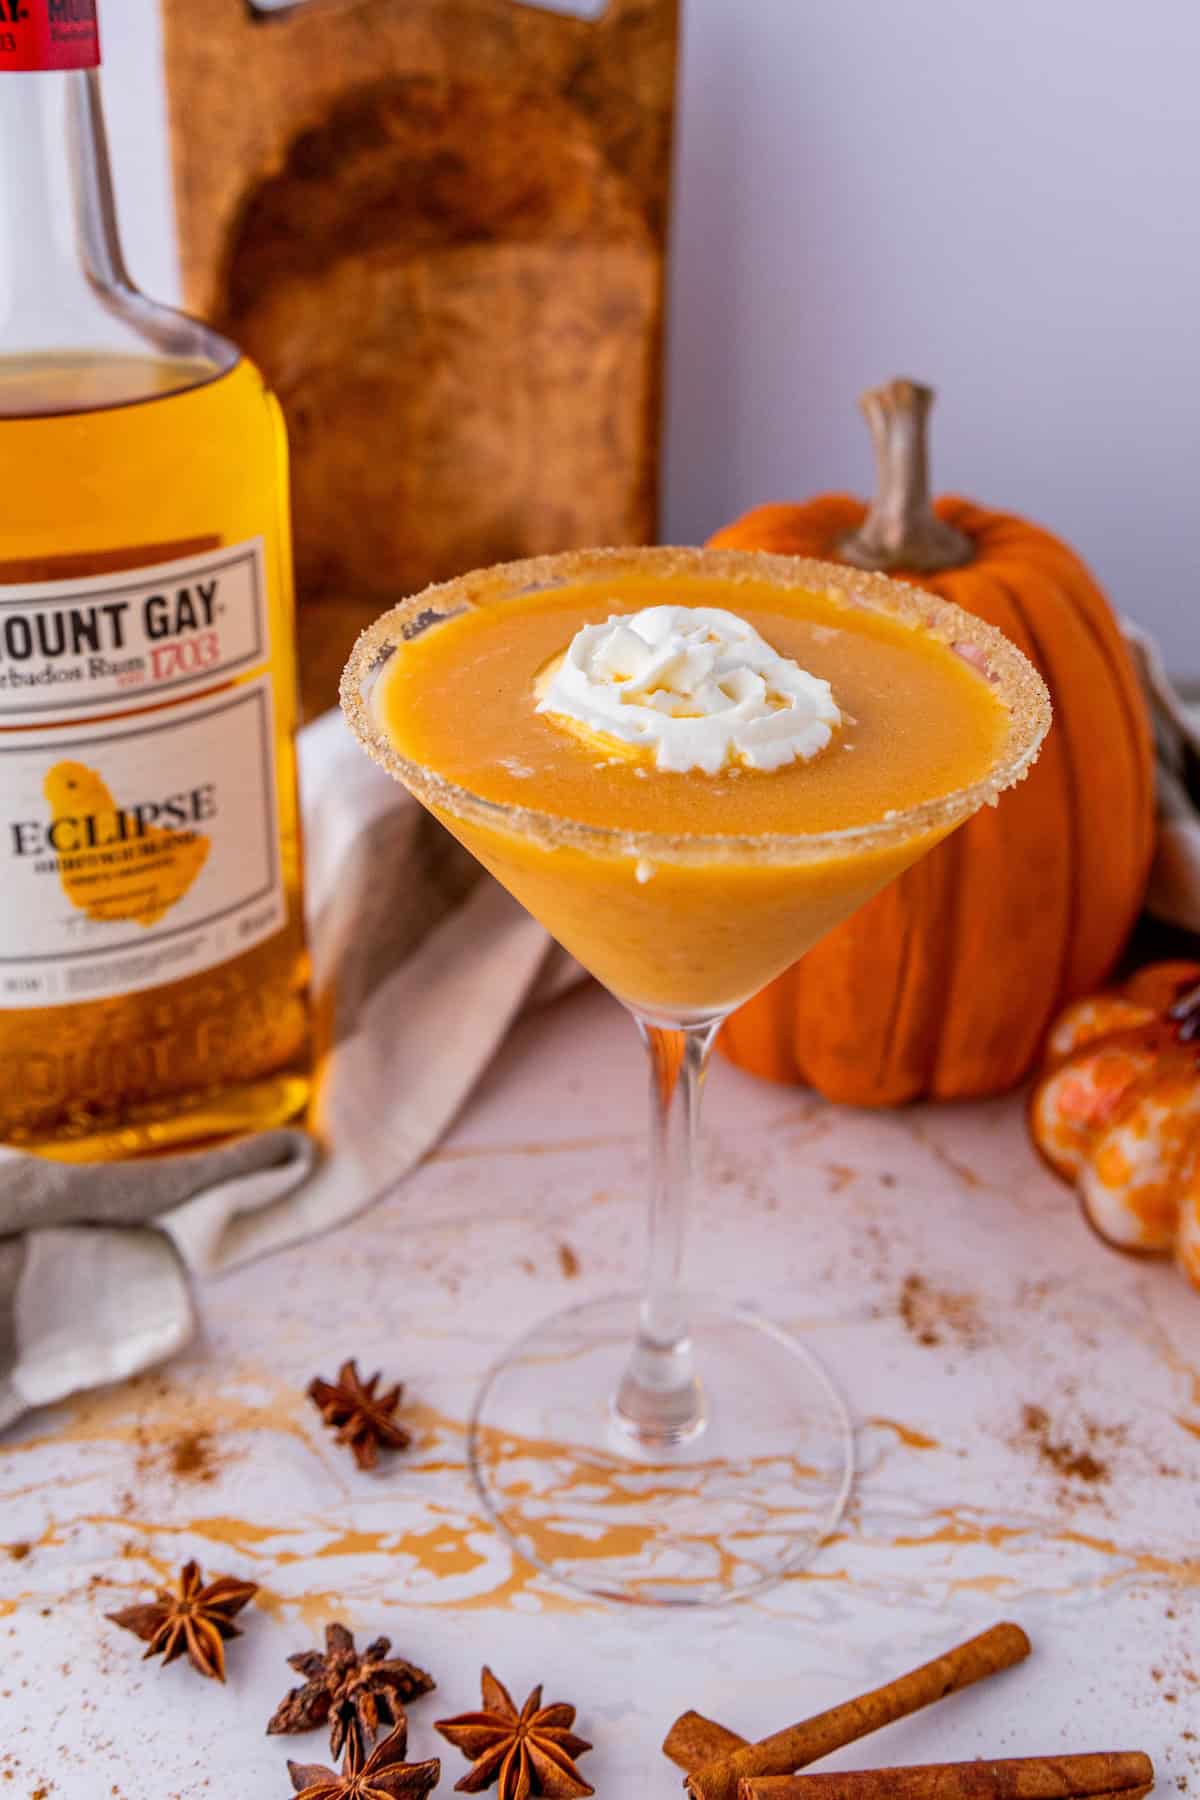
1013, 934
945, 983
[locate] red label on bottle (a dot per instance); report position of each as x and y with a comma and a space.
48, 34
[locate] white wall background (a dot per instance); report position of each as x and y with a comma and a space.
1001, 199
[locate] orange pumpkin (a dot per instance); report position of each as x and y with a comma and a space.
945, 984
1117, 1111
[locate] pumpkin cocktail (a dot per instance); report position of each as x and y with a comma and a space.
688, 765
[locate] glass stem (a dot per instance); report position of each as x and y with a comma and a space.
660, 1401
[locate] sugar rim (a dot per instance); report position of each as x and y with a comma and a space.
1013, 678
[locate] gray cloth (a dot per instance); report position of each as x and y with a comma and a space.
422, 962
1174, 893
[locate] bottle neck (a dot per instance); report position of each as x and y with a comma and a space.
64, 287
49, 288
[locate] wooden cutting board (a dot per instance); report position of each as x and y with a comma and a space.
438, 226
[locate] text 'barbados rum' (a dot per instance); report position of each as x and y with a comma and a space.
152, 963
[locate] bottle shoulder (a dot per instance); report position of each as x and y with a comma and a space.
72, 319
55, 383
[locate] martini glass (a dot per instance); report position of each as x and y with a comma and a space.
664, 1446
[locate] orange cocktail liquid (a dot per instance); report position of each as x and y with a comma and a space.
685, 934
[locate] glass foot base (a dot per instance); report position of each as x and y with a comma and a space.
751, 1495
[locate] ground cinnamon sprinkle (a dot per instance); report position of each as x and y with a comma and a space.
931, 1316
193, 1457
1075, 1461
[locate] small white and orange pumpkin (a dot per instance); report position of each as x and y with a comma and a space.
1116, 1110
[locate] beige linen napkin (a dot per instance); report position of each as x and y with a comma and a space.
424, 960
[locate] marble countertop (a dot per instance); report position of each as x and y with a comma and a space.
1027, 1406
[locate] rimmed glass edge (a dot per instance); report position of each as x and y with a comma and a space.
1012, 677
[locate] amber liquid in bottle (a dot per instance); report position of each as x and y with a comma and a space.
152, 961
188, 460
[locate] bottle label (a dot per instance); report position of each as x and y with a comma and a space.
117, 642
135, 850
138, 851
48, 34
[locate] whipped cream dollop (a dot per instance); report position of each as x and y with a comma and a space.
695, 684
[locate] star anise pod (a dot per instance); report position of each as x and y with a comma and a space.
384, 1775
365, 1419
355, 1694
527, 1752
191, 1617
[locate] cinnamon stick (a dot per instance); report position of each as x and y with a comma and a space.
787, 1751
1121, 1774
694, 1740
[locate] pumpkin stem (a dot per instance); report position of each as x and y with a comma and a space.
901, 530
